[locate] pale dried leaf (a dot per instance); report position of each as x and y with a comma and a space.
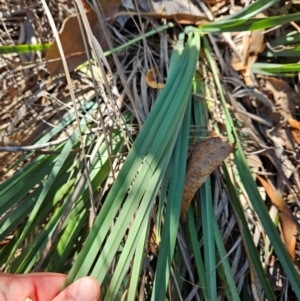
5, 141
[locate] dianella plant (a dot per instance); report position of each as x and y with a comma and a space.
113, 212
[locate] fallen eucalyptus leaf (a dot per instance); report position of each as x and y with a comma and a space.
205, 157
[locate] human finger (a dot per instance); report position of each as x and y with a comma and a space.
84, 289
34, 286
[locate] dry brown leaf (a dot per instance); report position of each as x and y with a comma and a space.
71, 38
287, 220
295, 129
205, 157
151, 79
284, 96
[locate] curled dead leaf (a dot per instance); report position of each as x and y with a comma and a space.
151, 79
205, 157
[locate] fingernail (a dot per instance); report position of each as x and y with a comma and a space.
84, 289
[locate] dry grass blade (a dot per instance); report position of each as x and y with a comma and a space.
204, 159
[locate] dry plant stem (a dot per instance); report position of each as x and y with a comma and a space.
56, 36
118, 65
64, 61
98, 52
101, 58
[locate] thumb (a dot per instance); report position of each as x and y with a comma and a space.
84, 289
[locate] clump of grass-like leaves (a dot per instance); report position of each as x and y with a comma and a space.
76, 213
